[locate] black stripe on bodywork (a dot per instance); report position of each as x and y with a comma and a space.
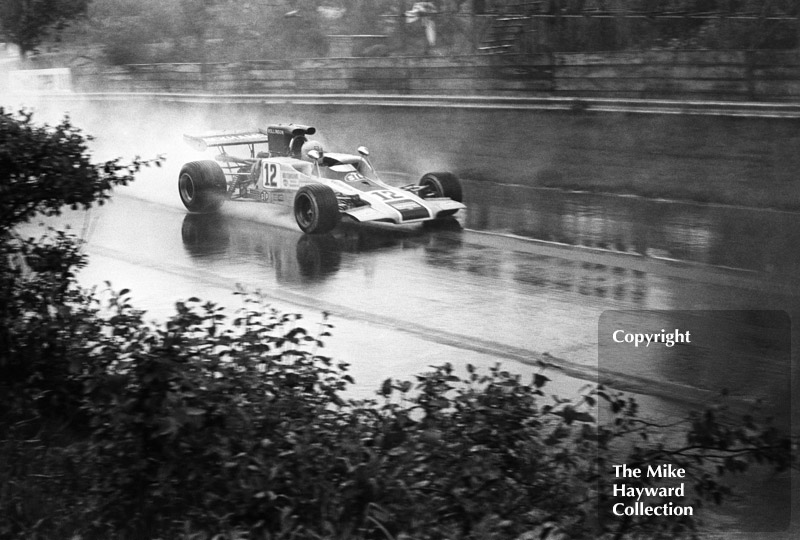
410, 210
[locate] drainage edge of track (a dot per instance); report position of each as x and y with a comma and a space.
767, 110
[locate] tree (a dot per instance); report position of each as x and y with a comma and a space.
43, 168
27, 22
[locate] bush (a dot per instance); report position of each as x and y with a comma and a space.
44, 168
214, 423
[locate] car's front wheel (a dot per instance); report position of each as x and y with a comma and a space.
441, 184
202, 186
316, 209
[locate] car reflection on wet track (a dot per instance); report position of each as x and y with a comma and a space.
294, 255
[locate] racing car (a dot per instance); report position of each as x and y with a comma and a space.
290, 170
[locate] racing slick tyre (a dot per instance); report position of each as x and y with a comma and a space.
442, 184
202, 186
316, 209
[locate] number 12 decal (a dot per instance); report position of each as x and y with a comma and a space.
272, 175
387, 195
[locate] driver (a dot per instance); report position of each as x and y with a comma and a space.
307, 147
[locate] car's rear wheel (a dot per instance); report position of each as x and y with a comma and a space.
316, 209
202, 186
441, 184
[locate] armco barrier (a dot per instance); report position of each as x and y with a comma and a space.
769, 76
598, 105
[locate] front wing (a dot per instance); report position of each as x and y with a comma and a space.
428, 210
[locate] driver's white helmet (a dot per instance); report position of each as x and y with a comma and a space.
308, 146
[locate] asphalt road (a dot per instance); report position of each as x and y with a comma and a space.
458, 293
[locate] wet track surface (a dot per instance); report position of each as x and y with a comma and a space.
524, 275
761, 241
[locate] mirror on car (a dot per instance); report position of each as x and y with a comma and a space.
314, 154
363, 151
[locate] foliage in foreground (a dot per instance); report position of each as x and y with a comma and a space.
112, 426
45, 168
225, 425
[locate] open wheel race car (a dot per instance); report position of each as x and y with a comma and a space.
320, 186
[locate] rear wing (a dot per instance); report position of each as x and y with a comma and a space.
202, 142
